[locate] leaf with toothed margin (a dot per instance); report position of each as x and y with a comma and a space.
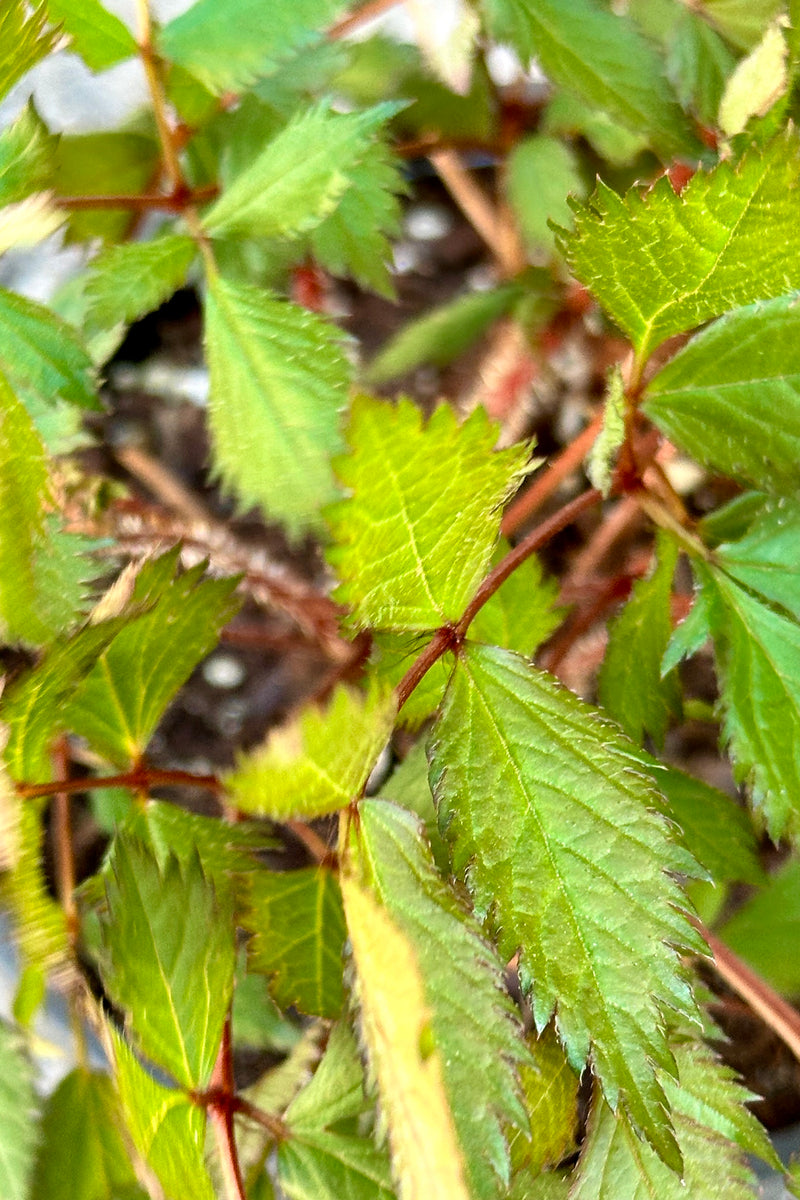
516, 760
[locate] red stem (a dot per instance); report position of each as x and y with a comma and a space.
174, 202
220, 1107
140, 779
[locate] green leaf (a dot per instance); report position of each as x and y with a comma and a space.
24, 40
765, 925
541, 172
127, 281
404, 1060
18, 1133
167, 1129
41, 354
26, 155
698, 63
318, 762
607, 444
83, 1111
712, 254
300, 175
641, 700
104, 164
473, 1024
277, 373
757, 83
414, 539
550, 1088
223, 849
208, 38
441, 334
603, 59
517, 760
716, 830
718, 397
742, 22
298, 926
169, 958
120, 702
568, 116
764, 560
408, 786
96, 35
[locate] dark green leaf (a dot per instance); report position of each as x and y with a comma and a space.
298, 925
408, 786
169, 958
278, 381
26, 155
41, 354
766, 925
24, 39
97, 35
18, 1133
128, 281
517, 760
716, 830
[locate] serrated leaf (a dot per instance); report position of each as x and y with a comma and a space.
517, 760
298, 926
318, 762
104, 164
472, 1022
62, 570
403, 1057
169, 958
541, 172
408, 786
642, 700
167, 1129
440, 335
716, 830
602, 58
127, 281
207, 39
83, 1111
603, 454
99, 37
18, 1132
24, 40
336, 1091
762, 929
711, 256
414, 538
550, 1088
222, 848
43, 355
718, 396
742, 22
26, 151
278, 383
765, 559
120, 702
300, 175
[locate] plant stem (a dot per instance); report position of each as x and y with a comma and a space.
545, 484
152, 74
478, 210
220, 1108
268, 1121
139, 779
175, 202
367, 12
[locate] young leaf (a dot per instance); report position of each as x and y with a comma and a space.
127, 281
472, 1023
764, 560
550, 1088
317, 763
298, 925
18, 1133
716, 830
414, 539
169, 958
603, 454
604, 59
83, 1112
278, 374
229, 44
718, 396
26, 156
300, 175
517, 760
642, 700
765, 925
96, 35
120, 702
24, 40
402, 1053
712, 254
42, 355
166, 1128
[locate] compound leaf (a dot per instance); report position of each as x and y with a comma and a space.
298, 926
169, 956
472, 1021
661, 263
278, 383
719, 396
26, 154
403, 1057
41, 355
319, 761
414, 538
18, 1132
99, 37
517, 760
24, 40
127, 281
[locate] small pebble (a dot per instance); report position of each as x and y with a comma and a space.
223, 671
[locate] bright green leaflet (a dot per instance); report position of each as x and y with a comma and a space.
119, 704
97, 35
603, 59
278, 382
41, 354
23, 41
766, 559
414, 539
320, 761
541, 172
18, 1133
591, 897
641, 700
26, 152
298, 925
472, 1023
716, 830
300, 176
766, 926
550, 1088
128, 281
717, 398
169, 955
223, 849
82, 1155
229, 44
660, 263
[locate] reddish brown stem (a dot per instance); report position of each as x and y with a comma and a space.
174, 202
62, 829
220, 1107
272, 1124
323, 854
559, 469
141, 779
373, 8
441, 641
